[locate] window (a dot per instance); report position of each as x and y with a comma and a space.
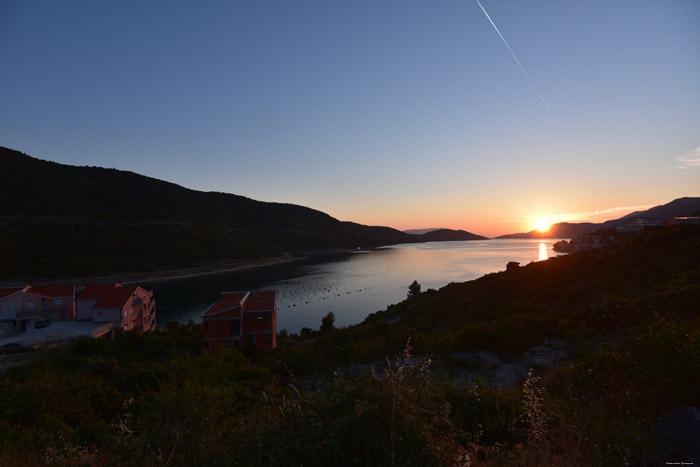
58, 301
12, 306
235, 328
45, 305
30, 304
206, 325
261, 317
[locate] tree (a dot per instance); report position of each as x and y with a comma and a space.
327, 323
414, 289
512, 265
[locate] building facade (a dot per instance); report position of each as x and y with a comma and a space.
21, 306
54, 303
128, 308
239, 318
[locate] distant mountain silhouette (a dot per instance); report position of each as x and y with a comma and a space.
681, 207
421, 231
442, 235
58, 219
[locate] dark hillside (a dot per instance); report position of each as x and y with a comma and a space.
60, 221
444, 235
627, 315
33, 187
610, 291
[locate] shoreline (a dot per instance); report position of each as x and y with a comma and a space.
168, 274
135, 278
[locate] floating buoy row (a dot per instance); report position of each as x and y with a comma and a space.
306, 294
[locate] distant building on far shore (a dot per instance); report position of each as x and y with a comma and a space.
239, 318
695, 220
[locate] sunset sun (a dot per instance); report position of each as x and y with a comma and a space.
542, 224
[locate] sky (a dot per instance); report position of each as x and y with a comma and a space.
410, 114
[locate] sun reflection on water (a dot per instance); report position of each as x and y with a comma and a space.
543, 251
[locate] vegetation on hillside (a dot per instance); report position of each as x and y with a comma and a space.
627, 313
59, 221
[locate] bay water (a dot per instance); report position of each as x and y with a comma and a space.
351, 285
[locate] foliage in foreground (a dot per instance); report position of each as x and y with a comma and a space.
151, 400
155, 399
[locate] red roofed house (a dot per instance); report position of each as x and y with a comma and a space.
55, 303
21, 305
239, 318
11, 302
128, 308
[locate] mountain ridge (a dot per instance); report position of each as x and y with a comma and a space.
121, 221
679, 207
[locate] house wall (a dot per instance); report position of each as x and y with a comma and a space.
137, 311
149, 316
252, 321
31, 303
261, 331
102, 315
84, 308
220, 327
71, 311
46, 306
222, 331
11, 305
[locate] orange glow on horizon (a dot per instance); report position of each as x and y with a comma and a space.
542, 225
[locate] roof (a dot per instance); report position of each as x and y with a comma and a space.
231, 302
262, 301
228, 295
53, 292
7, 291
107, 295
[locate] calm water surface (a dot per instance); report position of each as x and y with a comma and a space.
351, 285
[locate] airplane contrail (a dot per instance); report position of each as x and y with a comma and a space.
513, 54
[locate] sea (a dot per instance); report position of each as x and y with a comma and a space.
351, 284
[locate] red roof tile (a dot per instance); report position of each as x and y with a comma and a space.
261, 301
95, 290
53, 292
9, 291
232, 302
232, 295
107, 295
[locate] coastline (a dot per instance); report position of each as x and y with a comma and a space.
170, 274
135, 278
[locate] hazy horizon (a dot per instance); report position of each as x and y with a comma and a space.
491, 117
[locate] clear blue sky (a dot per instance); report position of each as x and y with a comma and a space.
404, 113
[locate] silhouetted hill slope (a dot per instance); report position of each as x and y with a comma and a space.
626, 315
58, 220
680, 207
617, 336
450, 235
560, 230
421, 231
41, 188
